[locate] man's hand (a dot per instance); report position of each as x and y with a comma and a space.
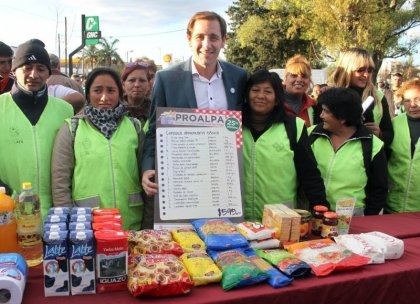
148, 184
374, 128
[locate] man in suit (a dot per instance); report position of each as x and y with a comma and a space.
201, 82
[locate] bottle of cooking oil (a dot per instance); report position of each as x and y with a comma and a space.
29, 225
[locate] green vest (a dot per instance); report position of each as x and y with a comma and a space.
106, 171
344, 171
269, 169
403, 171
25, 154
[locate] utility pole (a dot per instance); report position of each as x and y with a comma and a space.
79, 48
65, 43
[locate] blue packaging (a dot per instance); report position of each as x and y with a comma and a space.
59, 210
55, 227
56, 218
80, 226
81, 210
82, 262
55, 264
81, 218
14, 260
13, 271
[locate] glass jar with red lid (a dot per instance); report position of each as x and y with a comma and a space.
318, 215
329, 225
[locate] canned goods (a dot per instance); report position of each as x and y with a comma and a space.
329, 225
318, 215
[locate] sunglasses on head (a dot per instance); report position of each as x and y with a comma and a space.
9, 61
364, 70
140, 64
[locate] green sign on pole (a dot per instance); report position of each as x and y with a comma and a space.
92, 33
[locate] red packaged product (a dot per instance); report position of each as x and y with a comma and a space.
111, 260
105, 211
107, 226
107, 218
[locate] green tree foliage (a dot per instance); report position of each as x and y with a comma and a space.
260, 36
108, 54
291, 26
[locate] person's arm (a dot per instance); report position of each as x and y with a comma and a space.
387, 132
377, 185
76, 99
62, 167
308, 174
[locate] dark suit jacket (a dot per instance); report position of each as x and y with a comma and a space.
174, 88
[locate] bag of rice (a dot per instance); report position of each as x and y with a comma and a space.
188, 239
253, 231
201, 268
219, 234
157, 275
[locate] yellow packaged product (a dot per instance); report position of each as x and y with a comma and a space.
188, 239
201, 268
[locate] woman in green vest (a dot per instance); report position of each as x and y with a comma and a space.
351, 160
277, 155
354, 70
97, 155
404, 160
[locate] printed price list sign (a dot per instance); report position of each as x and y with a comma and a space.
198, 164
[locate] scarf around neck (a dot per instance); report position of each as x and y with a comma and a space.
105, 120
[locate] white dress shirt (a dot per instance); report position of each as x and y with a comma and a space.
210, 94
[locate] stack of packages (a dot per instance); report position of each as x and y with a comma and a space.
68, 252
55, 259
111, 250
154, 265
231, 252
81, 251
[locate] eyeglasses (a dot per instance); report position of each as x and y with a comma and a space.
9, 61
140, 64
364, 70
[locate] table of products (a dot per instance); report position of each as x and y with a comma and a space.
396, 281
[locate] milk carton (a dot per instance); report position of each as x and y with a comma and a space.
82, 262
55, 264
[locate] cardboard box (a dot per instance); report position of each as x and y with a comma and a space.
285, 220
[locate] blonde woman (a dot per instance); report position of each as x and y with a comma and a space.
296, 83
354, 70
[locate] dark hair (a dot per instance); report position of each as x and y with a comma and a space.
103, 71
343, 103
274, 79
207, 15
5, 50
132, 66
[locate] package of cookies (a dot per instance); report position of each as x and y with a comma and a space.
188, 239
150, 241
201, 268
157, 275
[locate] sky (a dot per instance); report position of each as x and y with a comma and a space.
151, 28
143, 28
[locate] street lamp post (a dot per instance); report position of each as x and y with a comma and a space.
127, 54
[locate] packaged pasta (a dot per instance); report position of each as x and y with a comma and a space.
201, 268
152, 242
157, 275
219, 234
238, 270
286, 262
188, 239
276, 279
324, 256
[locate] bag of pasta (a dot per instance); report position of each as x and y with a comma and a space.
188, 239
201, 268
219, 234
238, 270
286, 262
152, 242
157, 275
